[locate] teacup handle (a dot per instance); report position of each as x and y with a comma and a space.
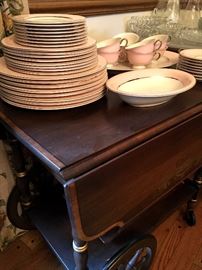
158, 56
157, 45
124, 40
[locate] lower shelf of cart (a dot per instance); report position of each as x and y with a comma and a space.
51, 219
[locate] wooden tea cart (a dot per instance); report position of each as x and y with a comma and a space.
104, 175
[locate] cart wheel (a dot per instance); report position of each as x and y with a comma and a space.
16, 214
136, 255
190, 218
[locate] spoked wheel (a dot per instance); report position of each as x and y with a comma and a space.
136, 255
16, 212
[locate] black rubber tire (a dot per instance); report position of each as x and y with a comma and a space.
127, 257
190, 218
18, 218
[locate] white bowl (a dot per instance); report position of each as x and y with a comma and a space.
150, 87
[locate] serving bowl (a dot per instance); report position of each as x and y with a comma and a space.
150, 87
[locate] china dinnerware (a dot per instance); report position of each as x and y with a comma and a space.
109, 45
111, 58
169, 59
164, 42
140, 59
48, 19
190, 60
143, 47
58, 70
5, 72
9, 43
150, 87
129, 36
141, 54
193, 54
110, 49
52, 107
61, 92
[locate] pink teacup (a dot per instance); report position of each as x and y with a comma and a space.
144, 46
164, 40
140, 60
110, 49
111, 57
109, 45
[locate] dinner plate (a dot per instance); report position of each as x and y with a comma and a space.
50, 55
52, 68
189, 62
193, 54
168, 59
52, 65
50, 31
190, 68
9, 42
150, 87
52, 72
7, 73
42, 85
52, 37
46, 61
47, 46
51, 107
52, 92
48, 19
54, 100
50, 27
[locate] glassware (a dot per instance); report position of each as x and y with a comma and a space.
168, 9
192, 11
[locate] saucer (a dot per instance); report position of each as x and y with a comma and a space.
168, 59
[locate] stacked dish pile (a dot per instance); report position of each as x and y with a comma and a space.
190, 60
50, 63
50, 30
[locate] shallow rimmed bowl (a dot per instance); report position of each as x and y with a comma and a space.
150, 87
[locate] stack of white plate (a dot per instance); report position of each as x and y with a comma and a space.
52, 93
50, 30
190, 60
65, 72
43, 61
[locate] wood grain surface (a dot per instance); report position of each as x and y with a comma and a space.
179, 248
90, 7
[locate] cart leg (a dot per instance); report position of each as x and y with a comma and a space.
80, 254
189, 214
22, 181
20, 198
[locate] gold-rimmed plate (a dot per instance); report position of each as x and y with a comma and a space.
48, 19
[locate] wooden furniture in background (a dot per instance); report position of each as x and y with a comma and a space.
90, 7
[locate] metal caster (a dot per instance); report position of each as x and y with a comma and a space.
136, 255
17, 212
190, 217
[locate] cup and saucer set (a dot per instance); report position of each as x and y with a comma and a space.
124, 52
